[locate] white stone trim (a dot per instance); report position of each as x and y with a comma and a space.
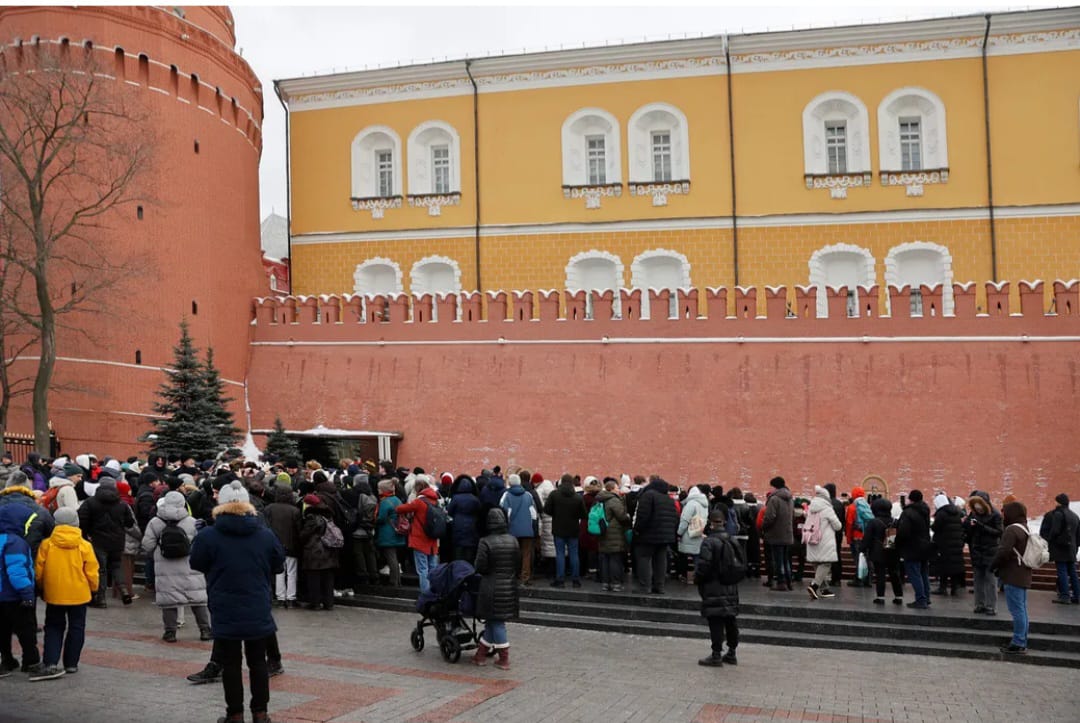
643, 123
421, 180
416, 285
575, 167
364, 176
907, 102
735, 340
818, 276
684, 224
573, 277
377, 261
836, 105
637, 274
892, 271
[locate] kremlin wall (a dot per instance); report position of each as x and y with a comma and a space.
836, 341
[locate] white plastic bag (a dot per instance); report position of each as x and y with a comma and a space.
863, 570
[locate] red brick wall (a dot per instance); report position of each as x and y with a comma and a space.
959, 403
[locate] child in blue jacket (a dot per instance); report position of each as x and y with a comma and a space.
17, 600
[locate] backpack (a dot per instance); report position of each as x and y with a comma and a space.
862, 514
350, 516
731, 525
48, 500
332, 539
174, 542
597, 519
811, 531
733, 562
695, 527
1037, 552
436, 522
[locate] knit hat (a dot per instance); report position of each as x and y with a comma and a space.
283, 478
113, 464
66, 516
777, 482
940, 500
232, 492
513, 480
186, 479
17, 479
1062, 499
73, 469
915, 496
135, 467
312, 500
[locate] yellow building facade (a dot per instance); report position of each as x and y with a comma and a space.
924, 152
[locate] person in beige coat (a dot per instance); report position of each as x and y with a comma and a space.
821, 525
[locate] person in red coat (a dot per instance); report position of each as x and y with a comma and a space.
423, 547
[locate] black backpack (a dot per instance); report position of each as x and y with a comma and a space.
435, 523
732, 567
174, 542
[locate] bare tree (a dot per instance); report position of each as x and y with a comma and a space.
73, 146
14, 337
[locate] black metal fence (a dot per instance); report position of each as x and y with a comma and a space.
21, 445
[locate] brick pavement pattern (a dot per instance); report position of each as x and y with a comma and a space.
353, 665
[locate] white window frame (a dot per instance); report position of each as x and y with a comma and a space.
578, 125
384, 172
918, 103
639, 273
911, 154
835, 106
661, 155
893, 276
643, 124
365, 178
440, 169
836, 146
574, 280
596, 155
421, 163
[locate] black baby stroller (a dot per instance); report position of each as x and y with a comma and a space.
449, 608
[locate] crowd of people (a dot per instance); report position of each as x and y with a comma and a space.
325, 533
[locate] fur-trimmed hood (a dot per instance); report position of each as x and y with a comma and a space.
18, 491
234, 508
237, 519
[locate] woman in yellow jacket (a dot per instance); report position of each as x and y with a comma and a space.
67, 574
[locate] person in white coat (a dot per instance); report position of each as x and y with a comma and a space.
695, 514
65, 496
819, 534
175, 583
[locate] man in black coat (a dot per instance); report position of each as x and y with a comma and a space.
1061, 530
914, 547
103, 519
498, 561
655, 526
719, 596
567, 509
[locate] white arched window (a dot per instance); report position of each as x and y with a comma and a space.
912, 144
659, 144
921, 263
377, 276
435, 275
434, 159
841, 265
590, 149
660, 269
595, 271
836, 141
376, 163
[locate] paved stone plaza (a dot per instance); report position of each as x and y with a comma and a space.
354, 665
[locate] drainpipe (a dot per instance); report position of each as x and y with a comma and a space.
476, 168
731, 152
288, 183
989, 159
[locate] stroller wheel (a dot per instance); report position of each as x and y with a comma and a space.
417, 640
450, 648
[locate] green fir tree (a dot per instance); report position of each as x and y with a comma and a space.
227, 434
187, 419
280, 444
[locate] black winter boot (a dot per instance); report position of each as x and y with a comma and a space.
729, 657
712, 660
210, 674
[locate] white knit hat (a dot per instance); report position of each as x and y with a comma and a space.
940, 500
233, 492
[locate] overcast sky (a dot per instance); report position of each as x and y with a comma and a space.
287, 42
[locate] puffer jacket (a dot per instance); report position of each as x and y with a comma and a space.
983, 529
618, 522
498, 561
517, 503
655, 520
464, 510
385, 536
16, 567
948, 540
876, 530
1013, 544
825, 550
20, 514
314, 554
567, 509
694, 506
66, 568
547, 537
175, 583
240, 557
103, 519
65, 495
913, 533
283, 519
777, 525
717, 599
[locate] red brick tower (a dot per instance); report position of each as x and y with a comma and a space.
200, 234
